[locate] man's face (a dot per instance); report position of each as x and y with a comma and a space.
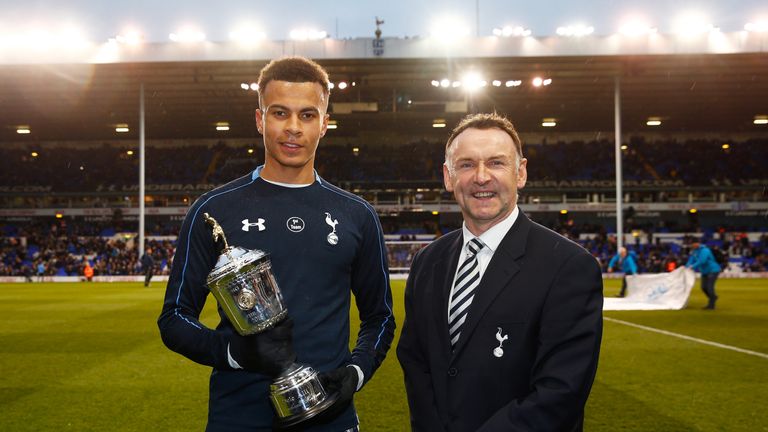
481, 172
292, 119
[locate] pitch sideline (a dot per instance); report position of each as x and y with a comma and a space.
690, 338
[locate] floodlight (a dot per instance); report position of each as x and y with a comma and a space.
473, 80
537, 82
222, 126
548, 122
23, 130
509, 31
342, 85
547, 81
307, 34
122, 128
245, 86
254, 86
760, 120
456, 84
496, 83
331, 86
575, 30
513, 83
757, 27
653, 121
563, 212
438, 123
130, 37
250, 151
445, 82
436, 83
129, 152
34, 154
449, 29
187, 35
332, 124
725, 146
623, 147
636, 28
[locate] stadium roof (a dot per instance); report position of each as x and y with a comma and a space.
715, 85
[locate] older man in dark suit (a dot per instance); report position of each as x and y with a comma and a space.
503, 317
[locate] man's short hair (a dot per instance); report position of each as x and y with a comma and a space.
294, 69
485, 121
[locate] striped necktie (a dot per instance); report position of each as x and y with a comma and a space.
467, 279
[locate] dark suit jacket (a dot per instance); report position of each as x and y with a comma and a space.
545, 293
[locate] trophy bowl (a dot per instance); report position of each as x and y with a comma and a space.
246, 289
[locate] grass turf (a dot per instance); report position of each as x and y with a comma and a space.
88, 357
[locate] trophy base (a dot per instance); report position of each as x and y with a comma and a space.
287, 422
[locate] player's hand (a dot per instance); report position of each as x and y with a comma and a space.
269, 352
343, 380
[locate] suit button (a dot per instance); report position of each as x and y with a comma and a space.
452, 372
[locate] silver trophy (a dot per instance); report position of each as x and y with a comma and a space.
245, 287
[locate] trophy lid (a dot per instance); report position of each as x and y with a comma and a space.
232, 259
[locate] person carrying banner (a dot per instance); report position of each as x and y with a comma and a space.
626, 263
701, 260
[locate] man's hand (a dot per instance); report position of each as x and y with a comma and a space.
343, 380
269, 352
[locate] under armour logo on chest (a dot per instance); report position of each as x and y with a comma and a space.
259, 223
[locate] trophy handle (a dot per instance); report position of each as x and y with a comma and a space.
218, 232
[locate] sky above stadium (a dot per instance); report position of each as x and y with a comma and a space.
156, 19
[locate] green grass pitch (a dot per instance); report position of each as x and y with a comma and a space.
88, 357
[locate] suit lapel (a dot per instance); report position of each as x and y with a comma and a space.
496, 277
443, 271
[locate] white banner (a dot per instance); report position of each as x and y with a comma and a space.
658, 291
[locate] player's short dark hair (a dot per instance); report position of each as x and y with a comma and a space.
485, 121
294, 69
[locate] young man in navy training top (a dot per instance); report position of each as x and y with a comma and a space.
324, 242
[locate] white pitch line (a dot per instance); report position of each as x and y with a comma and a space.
693, 339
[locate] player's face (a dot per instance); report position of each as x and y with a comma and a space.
483, 176
292, 119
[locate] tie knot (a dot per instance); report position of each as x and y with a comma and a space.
474, 246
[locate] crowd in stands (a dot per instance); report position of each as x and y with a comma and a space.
695, 162
63, 250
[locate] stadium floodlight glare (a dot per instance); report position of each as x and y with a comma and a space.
448, 29
130, 37
548, 122
435, 83
187, 35
513, 83
58, 214
245, 86
247, 34
725, 146
760, 120
472, 81
332, 124
539, 81
331, 86
254, 86
342, 85
563, 212
757, 27
496, 83
456, 84
23, 130
624, 147
635, 28
653, 121
305, 34
575, 30
445, 82
222, 126
250, 151
509, 31
34, 154
438, 123
694, 24
693, 211
129, 152
122, 128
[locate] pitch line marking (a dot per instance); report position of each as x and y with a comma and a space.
693, 339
